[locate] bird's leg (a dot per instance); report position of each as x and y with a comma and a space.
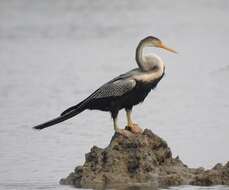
132, 126
117, 129
129, 119
115, 120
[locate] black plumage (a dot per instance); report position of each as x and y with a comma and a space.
121, 92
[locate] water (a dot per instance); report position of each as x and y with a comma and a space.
55, 53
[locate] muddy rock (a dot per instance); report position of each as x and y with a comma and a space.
144, 160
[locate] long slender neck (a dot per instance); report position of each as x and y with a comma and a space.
139, 55
147, 64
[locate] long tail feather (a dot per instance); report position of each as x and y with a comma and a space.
69, 110
79, 106
59, 119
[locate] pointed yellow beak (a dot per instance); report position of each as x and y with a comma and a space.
166, 48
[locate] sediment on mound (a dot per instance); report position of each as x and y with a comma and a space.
144, 160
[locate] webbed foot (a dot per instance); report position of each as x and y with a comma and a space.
125, 133
134, 128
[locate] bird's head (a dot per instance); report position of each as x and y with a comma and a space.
151, 41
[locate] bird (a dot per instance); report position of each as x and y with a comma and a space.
124, 91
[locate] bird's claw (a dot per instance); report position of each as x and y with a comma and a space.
130, 130
134, 128
125, 133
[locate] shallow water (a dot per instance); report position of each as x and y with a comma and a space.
55, 53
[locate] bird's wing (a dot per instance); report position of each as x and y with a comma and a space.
116, 87
125, 76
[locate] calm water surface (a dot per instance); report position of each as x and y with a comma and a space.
55, 53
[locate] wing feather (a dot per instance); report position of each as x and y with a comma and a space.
114, 88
